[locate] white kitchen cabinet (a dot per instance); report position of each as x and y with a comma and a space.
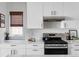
71, 10
36, 45
35, 52
53, 9
18, 50
35, 49
34, 15
71, 24
75, 49
6, 52
13, 50
72, 15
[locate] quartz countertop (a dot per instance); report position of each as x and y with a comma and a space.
14, 42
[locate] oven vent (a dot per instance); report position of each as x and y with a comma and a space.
53, 18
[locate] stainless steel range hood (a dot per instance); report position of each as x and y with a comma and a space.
53, 18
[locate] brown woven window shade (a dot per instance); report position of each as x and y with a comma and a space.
16, 18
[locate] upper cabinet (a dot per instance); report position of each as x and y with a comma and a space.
53, 9
34, 15
71, 9
36, 11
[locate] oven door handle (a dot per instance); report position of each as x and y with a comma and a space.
56, 47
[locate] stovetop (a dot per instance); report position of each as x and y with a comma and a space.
54, 40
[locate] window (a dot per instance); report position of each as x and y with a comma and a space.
16, 31
16, 24
16, 19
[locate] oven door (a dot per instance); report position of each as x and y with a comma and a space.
56, 51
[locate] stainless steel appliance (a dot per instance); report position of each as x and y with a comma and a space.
53, 18
54, 45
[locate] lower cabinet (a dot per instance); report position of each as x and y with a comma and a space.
21, 50
34, 52
75, 49
6, 52
35, 49
13, 50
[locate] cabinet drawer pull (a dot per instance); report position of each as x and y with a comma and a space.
35, 45
76, 49
35, 50
13, 45
13, 52
76, 45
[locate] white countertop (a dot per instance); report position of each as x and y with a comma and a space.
20, 42
13, 42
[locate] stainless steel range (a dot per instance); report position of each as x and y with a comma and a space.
54, 45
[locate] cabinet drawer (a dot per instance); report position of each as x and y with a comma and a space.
35, 52
35, 46
18, 46
75, 51
75, 46
14, 45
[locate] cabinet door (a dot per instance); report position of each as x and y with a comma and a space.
53, 8
5, 52
71, 9
20, 51
75, 49
71, 24
34, 15
35, 52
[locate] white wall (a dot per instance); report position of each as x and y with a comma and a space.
3, 10
38, 33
